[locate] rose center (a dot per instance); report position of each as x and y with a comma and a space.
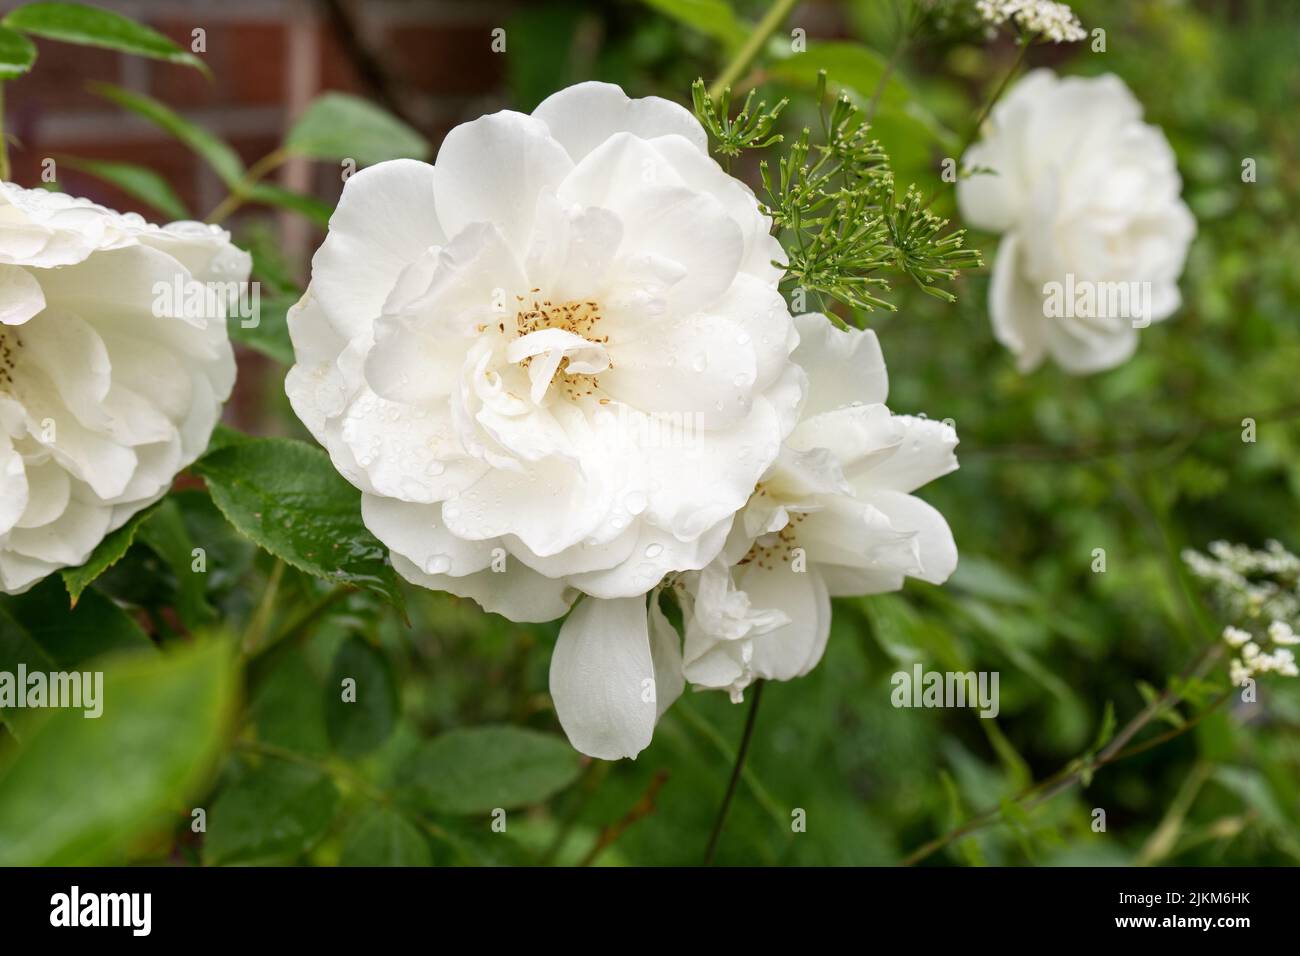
10, 345
775, 547
560, 344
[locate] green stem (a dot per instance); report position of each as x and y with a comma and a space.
993, 100
774, 17
746, 737
261, 620
239, 194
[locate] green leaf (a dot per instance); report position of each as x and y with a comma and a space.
271, 334
286, 496
79, 790
714, 18
360, 724
849, 65
477, 769
383, 837
269, 194
338, 126
107, 553
287, 707
92, 26
71, 636
136, 181
218, 154
17, 54
273, 813
166, 535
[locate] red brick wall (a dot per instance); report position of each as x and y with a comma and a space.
267, 57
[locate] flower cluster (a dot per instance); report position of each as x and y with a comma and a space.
1260, 591
558, 366
1051, 20
106, 391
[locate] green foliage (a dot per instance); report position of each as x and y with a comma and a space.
107, 553
361, 719
163, 724
287, 498
452, 721
93, 26
751, 128
383, 837
845, 230
217, 153
478, 769
714, 18
270, 813
17, 54
136, 181
270, 335
338, 126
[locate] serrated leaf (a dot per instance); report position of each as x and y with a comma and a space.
383, 837
71, 636
136, 181
714, 18
218, 154
338, 126
79, 790
107, 553
93, 26
360, 724
478, 769
273, 813
286, 497
17, 54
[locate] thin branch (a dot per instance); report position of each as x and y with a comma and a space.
1068, 776
736, 769
642, 808
773, 19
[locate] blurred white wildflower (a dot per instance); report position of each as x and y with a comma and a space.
1054, 21
1260, 591
1250, 585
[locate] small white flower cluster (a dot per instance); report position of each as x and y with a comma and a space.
1054, 21
1254, 586
1255, 660
1250, 584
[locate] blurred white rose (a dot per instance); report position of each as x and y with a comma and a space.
555, 360
108, 385
834, 516
1095, 233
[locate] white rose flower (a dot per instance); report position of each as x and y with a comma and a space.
832, 517
104, 393
1095, 233
554, 361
